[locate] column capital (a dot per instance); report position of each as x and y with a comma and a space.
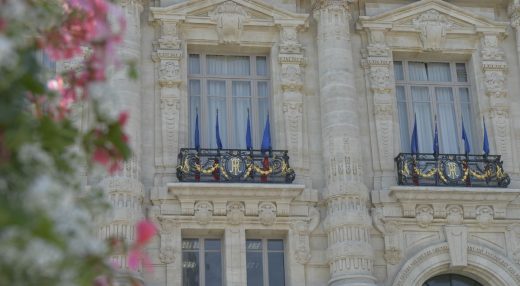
333, 4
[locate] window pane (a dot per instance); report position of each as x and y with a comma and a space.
447, 120
261, 65
254, 263
263, 89
403, 119
462, 75
241, 104
275, 244
276, 269
422, 110
417, 71
194, 64
212, 244
465, 107
213, 268
398, 71
216, 65
217, 101
238, 65
190, 244
190, 268
439, 72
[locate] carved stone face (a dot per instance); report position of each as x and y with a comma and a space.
203, 212
267, 213
235, 212
484, 216
424, 215
455, 214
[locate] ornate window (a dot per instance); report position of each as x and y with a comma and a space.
231, 84
201, 262
451, 280
265, 262
434, 89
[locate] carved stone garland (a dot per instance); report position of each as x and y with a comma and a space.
168, 56
494, 68
292, 64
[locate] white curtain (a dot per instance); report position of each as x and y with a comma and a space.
447, 121
261, 66
194, 64
194, 92
422, 108
217, 100
241, 103
398, 71
417, 71
403, 119
439, 72
238, 65
465, 107
263, 108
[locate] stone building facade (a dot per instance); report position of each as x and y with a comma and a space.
342, 80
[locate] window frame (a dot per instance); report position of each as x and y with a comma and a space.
265, 254
203, 77
454, 85
202, 258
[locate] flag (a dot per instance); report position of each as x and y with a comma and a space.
467, 148
415, 140
436, 139
266, 140
197, 135
217, 130
249, 142
485, 145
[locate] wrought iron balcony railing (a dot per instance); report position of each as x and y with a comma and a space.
232, 165
451, 170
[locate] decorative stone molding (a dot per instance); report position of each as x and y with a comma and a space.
484, 216
457, 237
230, 19
513, 242
393, 242
393, 255
167, 255
455, 214
424, 215
289, 43
169, 73
302, 252
267, 213
235, 212
203, 212
169, 230
432, 28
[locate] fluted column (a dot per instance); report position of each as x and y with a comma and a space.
348, 223
124, 189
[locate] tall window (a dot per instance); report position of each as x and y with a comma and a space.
232, 85
201, 262
429, 89
265, 262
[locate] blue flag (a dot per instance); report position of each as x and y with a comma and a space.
467, 148
217, 130
436, 139
266, 140
485, 146
197, 135
414, 146
249, 141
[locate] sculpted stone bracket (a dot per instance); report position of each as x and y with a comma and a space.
207, 201
453, 204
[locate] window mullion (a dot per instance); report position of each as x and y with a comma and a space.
265, 264
202, 263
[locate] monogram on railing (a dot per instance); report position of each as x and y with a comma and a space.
232, 165
451, 170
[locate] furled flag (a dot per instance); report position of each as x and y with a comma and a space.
217, 130
485, 145
436, 139
266, 140
249, 141
197, 135
415, 140
467, 148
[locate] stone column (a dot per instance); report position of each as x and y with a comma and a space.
292, 63
514, 11
348, 223
494, 68
379, 64
124, 189
235, 256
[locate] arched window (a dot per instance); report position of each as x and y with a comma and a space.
451, 280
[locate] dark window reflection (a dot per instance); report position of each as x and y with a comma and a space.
451, 280
210, 255
265, 258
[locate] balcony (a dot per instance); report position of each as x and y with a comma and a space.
234, 166
451, 170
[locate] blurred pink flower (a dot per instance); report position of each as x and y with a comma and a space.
101, 156
145, 231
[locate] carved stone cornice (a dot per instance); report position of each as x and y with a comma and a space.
333, 4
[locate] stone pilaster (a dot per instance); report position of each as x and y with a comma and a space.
514, 12
348, 223
124, 189
292, 62
168, 56
170, 252
379, 64
494, 68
